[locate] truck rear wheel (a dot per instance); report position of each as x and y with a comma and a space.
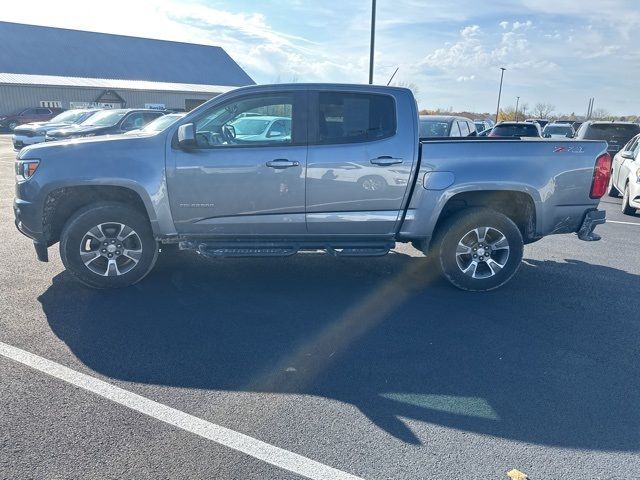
479, 249
108, 245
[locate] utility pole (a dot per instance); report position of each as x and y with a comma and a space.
517, 103
373, 40
500, 92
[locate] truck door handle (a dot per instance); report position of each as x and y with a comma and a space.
386, 160
280, 163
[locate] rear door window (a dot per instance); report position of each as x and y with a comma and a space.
355, 117
464, 129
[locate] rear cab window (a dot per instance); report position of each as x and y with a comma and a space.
346, 117
521, 130
603, 131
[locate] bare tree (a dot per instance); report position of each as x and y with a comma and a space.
410, 85
543, 110
601, 114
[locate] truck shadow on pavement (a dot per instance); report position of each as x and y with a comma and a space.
552, 358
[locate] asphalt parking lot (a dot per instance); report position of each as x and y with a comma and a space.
374, 367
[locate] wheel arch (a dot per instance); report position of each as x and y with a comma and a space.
61, 202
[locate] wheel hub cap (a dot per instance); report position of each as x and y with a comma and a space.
482, 252
111, 249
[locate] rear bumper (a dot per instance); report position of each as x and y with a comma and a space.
592, 219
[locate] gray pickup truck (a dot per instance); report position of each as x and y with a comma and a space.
273, 170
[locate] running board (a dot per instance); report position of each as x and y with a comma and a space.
251, 249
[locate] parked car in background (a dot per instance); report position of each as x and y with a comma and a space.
31, 133
28, 115
516, 129
159, 124
485, 133
558, 130
256, 128
432, 126
107, 122
540, 121
625, 176
481, 125
616, 134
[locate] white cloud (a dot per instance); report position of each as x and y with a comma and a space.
465, 78
504, 25
522, 25
470, 31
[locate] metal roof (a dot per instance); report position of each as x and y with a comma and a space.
36, 50
115, 84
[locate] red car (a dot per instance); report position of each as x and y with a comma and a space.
28, 115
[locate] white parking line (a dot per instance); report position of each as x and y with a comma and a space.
623, 223
229, 438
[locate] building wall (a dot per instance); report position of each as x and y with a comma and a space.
15, 97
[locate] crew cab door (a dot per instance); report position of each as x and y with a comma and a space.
240, 178
359, 161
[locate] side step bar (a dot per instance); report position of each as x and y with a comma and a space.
275, 249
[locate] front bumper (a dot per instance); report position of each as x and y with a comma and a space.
20, 141
26, 215
592, 219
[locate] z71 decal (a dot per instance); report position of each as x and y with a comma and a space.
569, 149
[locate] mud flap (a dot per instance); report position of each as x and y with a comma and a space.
592, 219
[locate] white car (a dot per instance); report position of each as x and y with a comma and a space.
32, 133
558, 131
263, 127
625, 176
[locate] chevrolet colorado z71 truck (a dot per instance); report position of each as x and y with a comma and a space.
272, 170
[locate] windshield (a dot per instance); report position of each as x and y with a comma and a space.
250, 126
161, 123
622, 132
521, 130
70, 116
558, 130
432, 128
105, 118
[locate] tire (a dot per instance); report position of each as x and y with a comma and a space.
124, 230
613, 191
626, 208
454, 247
12, 126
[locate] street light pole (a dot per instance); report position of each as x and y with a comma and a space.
373, 40
517, 103
500, 92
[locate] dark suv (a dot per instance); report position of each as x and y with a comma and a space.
28, 115
617, 134
516, 129
107, 122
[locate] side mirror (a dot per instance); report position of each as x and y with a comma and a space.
569, 135
628, 155
187, 135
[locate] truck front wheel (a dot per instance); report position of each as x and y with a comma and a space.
108, 245
479, 249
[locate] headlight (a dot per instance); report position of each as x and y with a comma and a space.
25, 169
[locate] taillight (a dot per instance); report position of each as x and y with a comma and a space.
601, 175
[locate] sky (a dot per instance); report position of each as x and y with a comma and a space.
560, 52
